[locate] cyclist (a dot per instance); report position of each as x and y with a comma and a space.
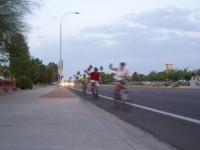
95, 77
84, 81
121, 74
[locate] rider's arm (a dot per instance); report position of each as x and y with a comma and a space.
115, 69
87, 72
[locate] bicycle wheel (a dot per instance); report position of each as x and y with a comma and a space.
126, 99
96, 93
117, 102
84, 90
93, 91
93, 94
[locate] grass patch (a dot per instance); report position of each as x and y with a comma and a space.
179, 84
40, 85
159, 85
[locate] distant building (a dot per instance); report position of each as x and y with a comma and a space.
169, 66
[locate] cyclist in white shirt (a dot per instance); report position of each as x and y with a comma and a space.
120, 75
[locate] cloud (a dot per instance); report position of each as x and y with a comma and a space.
145, 41
169, 18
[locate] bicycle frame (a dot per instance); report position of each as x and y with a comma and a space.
122, 97
84, 88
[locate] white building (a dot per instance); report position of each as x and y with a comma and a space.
169, 66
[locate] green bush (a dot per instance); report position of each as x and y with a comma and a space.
24, 83
175, 85
159, 85
180, 84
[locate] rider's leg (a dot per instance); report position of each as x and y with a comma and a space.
92, 85
92, 89
121, 85
117, 86
97, 89
82, 86
97, 85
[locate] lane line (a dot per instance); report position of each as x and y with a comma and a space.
154, 110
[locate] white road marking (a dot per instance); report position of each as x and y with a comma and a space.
154, 110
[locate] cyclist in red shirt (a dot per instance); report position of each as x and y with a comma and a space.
95, 77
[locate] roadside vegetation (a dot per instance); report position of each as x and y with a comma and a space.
174, 78
16, 63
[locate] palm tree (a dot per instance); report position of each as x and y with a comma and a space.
77, 77
78, 73
88, 69
90, 66
101, 68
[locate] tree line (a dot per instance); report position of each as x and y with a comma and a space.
23, 65
171, 75
15, 60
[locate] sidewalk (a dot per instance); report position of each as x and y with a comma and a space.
60, 121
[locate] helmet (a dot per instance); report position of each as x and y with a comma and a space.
84, 75
122, 64
95, 69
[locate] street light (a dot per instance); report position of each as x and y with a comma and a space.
60, 62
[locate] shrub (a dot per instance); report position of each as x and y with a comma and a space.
180, 84
159, 85
175, 85
24, 83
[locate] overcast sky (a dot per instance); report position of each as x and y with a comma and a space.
144, 34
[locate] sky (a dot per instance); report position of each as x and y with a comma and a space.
145, 34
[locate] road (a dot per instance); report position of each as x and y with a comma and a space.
172, 115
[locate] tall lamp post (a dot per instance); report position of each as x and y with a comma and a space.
60, 63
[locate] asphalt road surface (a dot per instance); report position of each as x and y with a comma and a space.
172, 115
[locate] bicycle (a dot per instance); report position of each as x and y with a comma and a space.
122, 98
84, 88
94, 91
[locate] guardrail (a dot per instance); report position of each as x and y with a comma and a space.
7, 84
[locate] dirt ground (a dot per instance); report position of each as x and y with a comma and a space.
59, 92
